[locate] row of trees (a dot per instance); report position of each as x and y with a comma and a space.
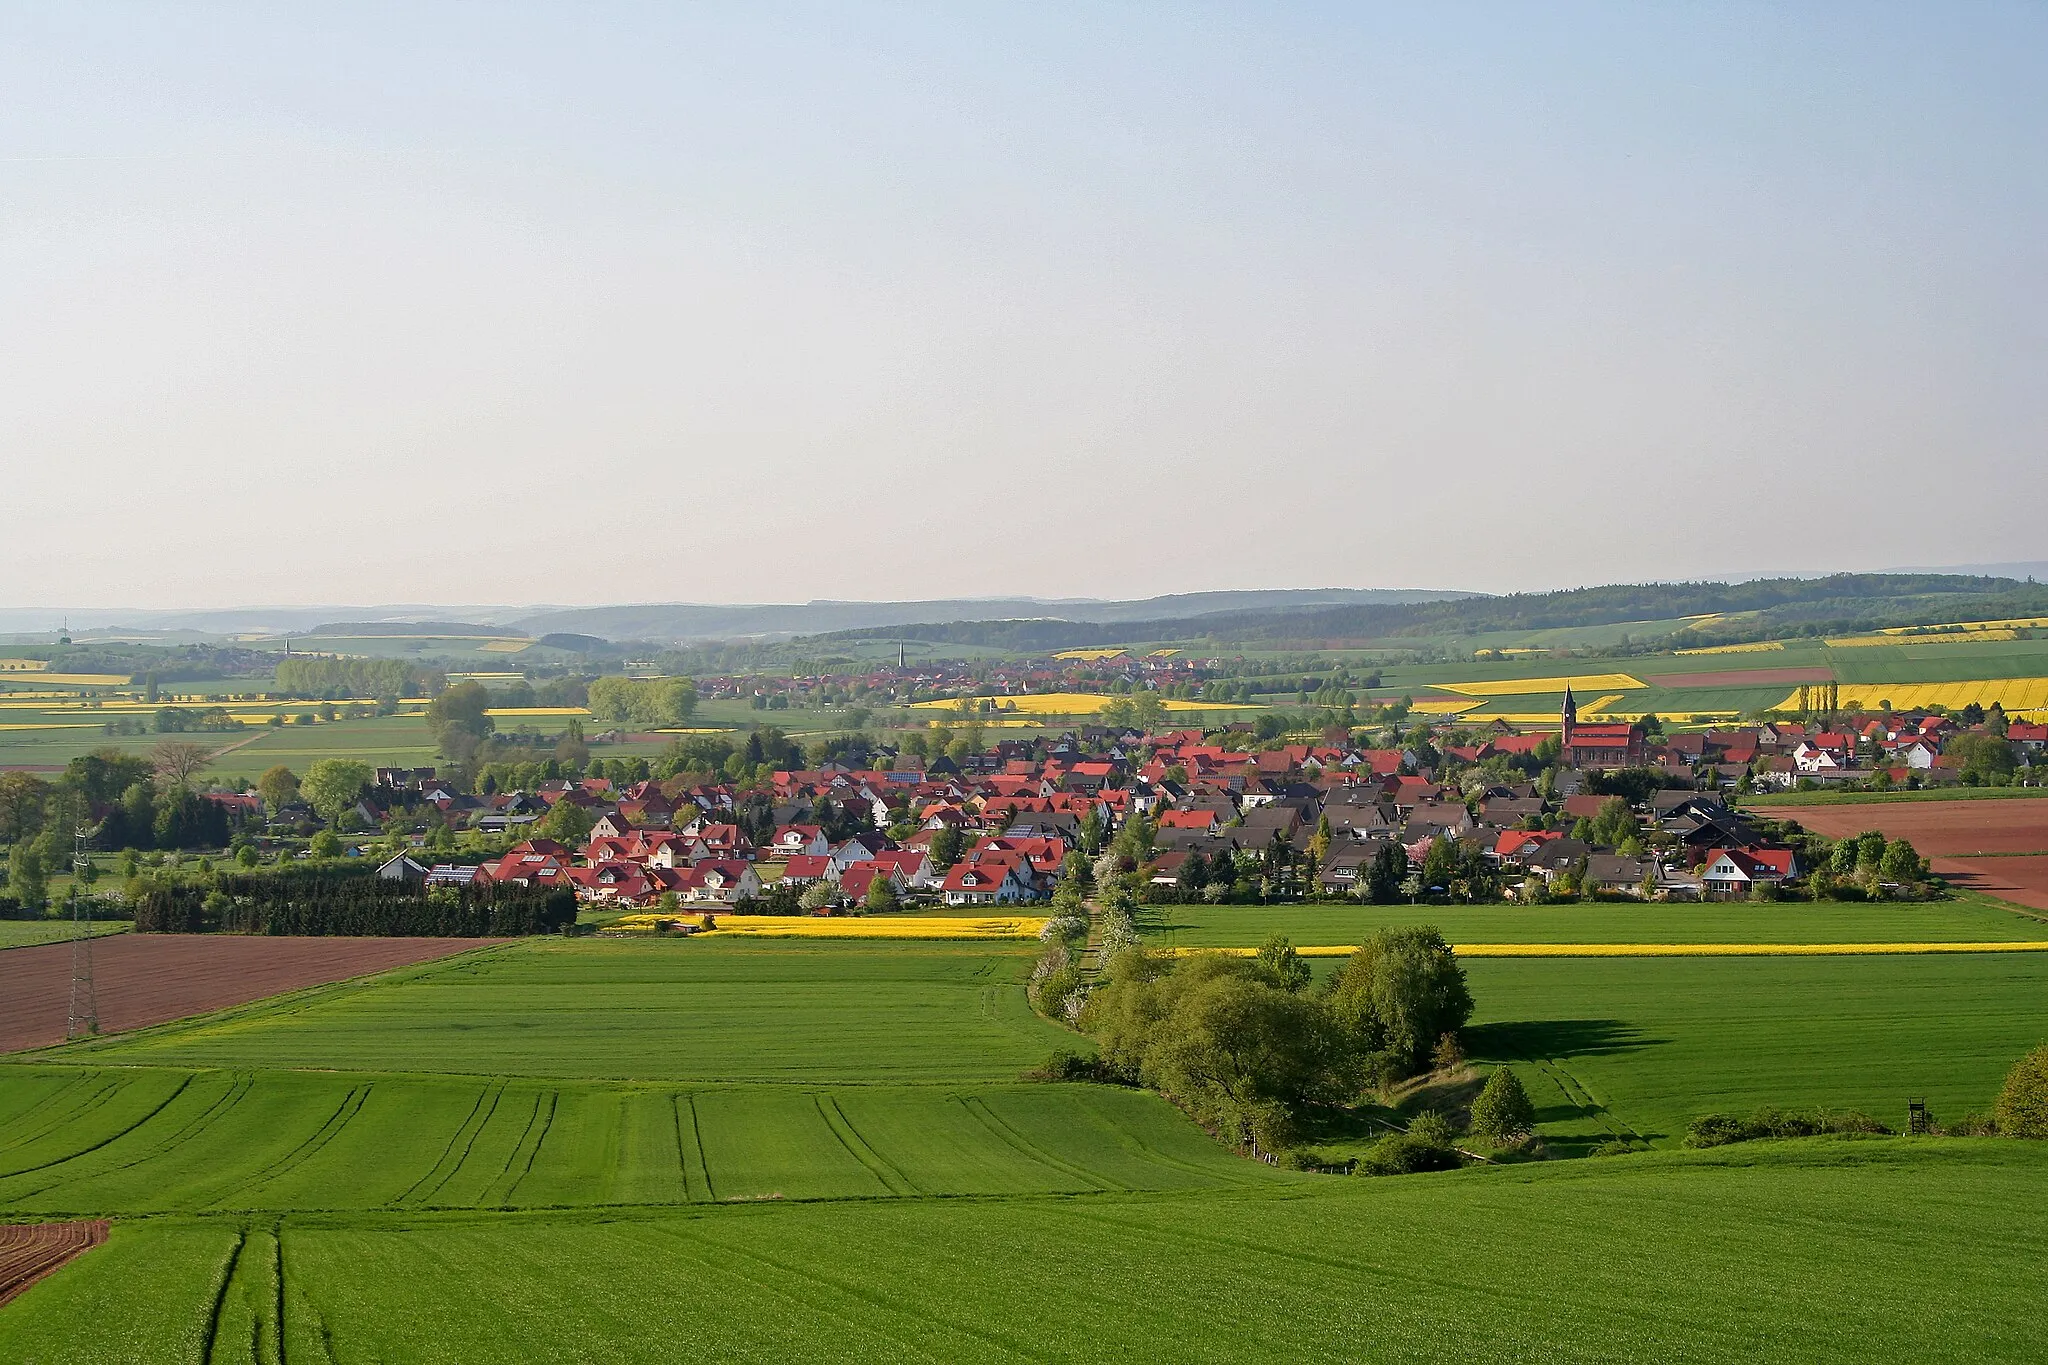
329, 900
341, 679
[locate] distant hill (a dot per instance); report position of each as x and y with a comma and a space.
690, 621
1767, 607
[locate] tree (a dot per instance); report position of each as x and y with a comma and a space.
652, 702
177, 761
325, 844
881, 896
1900, 864
1399, 993
1319, 842
279, 787
27, 879
1281, 966
460, 710
1388, 870
817, 895
2023, 1102
21, 806
1440, 864
1984, 757
566, 823
335, 784
945, 846
1503, 1112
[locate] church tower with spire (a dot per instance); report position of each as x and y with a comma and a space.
1571, 718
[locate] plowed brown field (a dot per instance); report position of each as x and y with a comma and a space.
29, 1251
1953, 836
145, 979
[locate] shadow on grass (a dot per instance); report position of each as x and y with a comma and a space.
1556, 1039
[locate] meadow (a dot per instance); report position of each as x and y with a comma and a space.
1637, 1047
27, 933
1928, 1250
1963, 919
717, 1009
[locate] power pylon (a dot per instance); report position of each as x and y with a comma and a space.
84, 1017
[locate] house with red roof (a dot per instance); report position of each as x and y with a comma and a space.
986, 883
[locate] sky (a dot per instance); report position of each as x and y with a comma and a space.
748, 303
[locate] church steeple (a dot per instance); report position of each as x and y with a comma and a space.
1571, 716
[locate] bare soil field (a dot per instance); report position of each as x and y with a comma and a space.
144, 979
29, 1251
1955, 837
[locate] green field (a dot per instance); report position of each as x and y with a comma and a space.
649, 1009
27, 933
135, 1141
612, 1150
1929, 1250
1964, 919
1637, 1047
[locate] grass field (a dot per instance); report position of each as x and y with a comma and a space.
677, 1010
1929, 1250
1961, 920
134, 1141
625, 1150
27, 933
1640, 1046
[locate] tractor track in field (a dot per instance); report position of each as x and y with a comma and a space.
344, 1113
238, 1089
112, 1137
978, 1109
863, 1151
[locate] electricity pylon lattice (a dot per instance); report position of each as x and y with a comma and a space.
83, 1019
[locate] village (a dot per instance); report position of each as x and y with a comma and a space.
1582, 810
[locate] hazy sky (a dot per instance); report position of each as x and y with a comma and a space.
585, 303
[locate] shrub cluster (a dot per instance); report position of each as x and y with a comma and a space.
1719, 1130
1244, 1044
345, 900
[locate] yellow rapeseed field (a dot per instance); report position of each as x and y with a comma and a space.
1444, 706
2010, 623
503, 646
883, 926
1759, 647
2014, 694
1089, 655
1973, 637
1075, 704
1519, 687
23, 665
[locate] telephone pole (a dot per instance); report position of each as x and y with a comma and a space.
84, 1017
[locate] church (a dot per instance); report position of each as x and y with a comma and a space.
1600, 746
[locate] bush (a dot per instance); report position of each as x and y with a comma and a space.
1972, 1125
1308, 1159
1718, 1130
1406, 1154
2023, 1102
1503, 1111
1434, 1128
1613, 1147
1071, 1066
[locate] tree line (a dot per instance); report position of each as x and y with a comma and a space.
331, 900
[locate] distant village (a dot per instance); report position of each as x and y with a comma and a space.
1585, 809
